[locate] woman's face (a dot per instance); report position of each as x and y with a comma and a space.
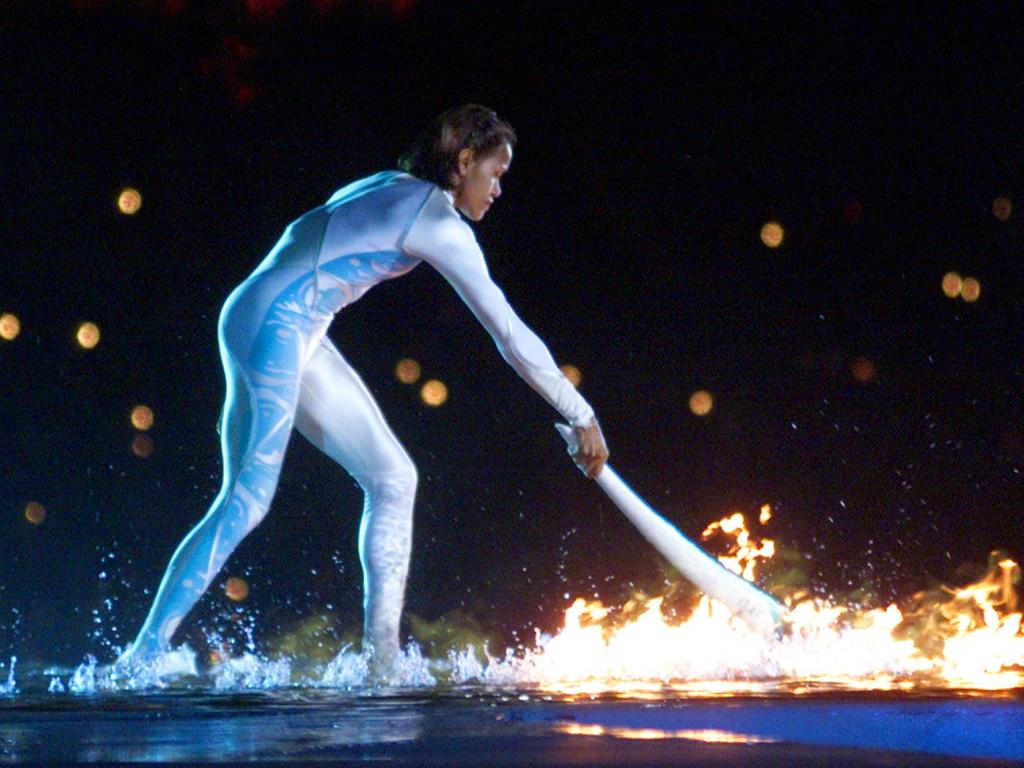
479, 181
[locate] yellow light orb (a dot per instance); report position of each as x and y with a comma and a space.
236, 589
572, 373
772, 234
408, 371
971, 290
952, 284
766, 514
35, 512
10, 326
88, 335
701, 403
863, 370
434, 392
1002, 208
129, 201
142, 417
142, 446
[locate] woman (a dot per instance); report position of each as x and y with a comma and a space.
283, 371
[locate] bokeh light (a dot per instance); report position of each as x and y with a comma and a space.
142, 417
572, 373
10, 326
853, 210
88, 335
772, 234
701, 403
265, 11
765, 514
35, 512
863, 370
952, 284
129, 201
408, 371
236, 589
971, 290
434, 392
142, 446
1002, 208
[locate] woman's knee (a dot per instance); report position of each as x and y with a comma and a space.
409, 475
394, 483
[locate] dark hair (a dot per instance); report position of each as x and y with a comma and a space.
434, 156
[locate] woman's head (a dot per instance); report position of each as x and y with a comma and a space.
464, 150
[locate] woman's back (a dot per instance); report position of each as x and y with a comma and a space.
354, 240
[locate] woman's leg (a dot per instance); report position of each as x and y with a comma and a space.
264, 346
337, 413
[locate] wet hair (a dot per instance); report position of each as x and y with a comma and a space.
434, 156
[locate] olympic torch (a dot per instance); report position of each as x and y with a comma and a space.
762, 612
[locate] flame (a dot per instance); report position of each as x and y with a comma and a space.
965, 638
746, 552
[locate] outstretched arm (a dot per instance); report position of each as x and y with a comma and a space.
442, 239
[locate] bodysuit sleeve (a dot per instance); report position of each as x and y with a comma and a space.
442, 239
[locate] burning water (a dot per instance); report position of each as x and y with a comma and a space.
968, 638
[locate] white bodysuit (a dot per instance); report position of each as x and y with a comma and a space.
282, 371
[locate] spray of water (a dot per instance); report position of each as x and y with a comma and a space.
10, 687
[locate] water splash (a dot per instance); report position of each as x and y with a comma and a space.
155, 672
83, 680
968, 638
251, 672
350, 670
11, 686
708, 652
347, 670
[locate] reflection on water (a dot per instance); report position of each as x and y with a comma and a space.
185, 726
196, 725
705, 735
253, 708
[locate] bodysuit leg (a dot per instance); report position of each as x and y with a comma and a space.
337, 413
266, 337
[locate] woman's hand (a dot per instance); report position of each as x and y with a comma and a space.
592, 452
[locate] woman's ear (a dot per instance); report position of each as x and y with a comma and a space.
465, 158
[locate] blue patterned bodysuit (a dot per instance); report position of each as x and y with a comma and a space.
283, 372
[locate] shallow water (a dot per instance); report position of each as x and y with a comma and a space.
769, 723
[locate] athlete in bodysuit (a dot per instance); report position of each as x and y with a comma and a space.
283, 371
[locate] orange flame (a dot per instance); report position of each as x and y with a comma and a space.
966, 638
745, 552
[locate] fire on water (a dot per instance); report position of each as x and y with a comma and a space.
968, 638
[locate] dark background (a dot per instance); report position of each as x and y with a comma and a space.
653, 146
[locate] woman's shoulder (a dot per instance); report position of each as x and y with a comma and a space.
439, 230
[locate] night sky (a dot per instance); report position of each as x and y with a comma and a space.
653, 146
